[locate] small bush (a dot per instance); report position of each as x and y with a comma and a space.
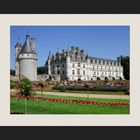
12, 86
127, 92
62, 89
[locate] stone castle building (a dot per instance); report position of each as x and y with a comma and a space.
74, 64
26, 59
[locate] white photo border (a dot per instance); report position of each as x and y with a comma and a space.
7, 20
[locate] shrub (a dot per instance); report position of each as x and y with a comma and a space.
62, 89
40, 84
127, 92
12, 86
86, 85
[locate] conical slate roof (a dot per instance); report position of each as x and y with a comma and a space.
27, 49
18, 44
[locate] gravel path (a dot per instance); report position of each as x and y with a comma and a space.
85, 95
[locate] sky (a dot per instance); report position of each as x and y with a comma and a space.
98, 41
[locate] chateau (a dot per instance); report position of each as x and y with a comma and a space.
26, 59
74, 64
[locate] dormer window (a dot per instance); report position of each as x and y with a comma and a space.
95, 61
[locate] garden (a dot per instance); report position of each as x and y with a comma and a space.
25, 100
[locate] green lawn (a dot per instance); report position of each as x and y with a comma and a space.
40, 107
82, 98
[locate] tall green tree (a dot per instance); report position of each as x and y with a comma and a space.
125, 62
12, 72
41, 70
25, 87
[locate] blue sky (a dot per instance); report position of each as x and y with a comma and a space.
98, 41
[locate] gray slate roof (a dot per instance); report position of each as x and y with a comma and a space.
96, 58
26, 49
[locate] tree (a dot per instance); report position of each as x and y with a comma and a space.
40, 84
125, 62
25, 87
12, 72
41, 70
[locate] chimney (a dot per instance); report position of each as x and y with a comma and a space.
33, 43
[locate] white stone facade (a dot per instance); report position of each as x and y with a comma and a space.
74, 64
26, 59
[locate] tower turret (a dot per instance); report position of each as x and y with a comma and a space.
27, 60
18, 48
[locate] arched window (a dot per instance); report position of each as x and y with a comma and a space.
58, 72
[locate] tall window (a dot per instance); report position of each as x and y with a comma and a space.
73, 72
83, 65
63, 72
78, 64
78, 71
73, 65
83, 72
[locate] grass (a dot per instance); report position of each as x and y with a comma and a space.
40, 107
82, 98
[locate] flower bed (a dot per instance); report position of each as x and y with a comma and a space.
60, 100
91, 88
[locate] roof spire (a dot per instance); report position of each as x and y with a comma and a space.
18, 42
49, 53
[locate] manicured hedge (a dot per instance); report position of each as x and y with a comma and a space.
103, 88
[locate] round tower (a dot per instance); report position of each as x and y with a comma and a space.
27, 59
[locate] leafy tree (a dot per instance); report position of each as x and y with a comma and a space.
25, 87
41, 70
12, 72
125, 62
